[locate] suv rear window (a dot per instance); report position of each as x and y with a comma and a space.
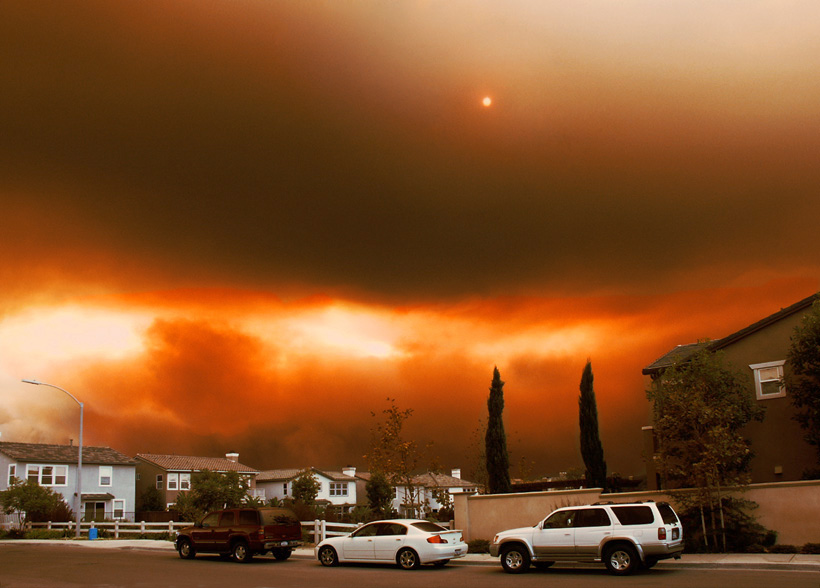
634, 515
278, 516
667, 514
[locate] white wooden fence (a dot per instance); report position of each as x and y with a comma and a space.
317, 529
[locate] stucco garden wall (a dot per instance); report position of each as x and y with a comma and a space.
790, 508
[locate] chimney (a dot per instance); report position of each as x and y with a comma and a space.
349, 471
232, 456
456, 473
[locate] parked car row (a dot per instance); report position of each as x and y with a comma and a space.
625, 537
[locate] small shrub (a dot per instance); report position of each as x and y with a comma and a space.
811, 548
783, 548
755, 548
44, 534
478, 546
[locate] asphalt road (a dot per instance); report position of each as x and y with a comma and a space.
48, 566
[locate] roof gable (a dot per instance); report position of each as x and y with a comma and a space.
45, 453
682, 353
290, 474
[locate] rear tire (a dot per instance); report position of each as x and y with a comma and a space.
543, 565
241, 553
649, 562
282, 554
621, 560
408, 559
441, 563
515, 559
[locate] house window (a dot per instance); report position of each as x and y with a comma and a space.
45, 475
285, 488
106, 473
185, 481
159, 481
338, 488
119, 509
173, 481
769, 379
12, 472
60, 475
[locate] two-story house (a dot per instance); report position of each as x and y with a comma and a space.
423, 496
172, 474
335, 488
758, 351
108, 476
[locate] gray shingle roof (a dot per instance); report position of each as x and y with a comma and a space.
192, 463
44, 453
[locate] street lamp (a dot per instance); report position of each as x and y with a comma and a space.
79, 501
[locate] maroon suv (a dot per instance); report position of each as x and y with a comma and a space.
242, 533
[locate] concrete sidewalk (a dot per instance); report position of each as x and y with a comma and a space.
761, 561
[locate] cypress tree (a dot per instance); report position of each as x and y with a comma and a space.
591, 449
498, 460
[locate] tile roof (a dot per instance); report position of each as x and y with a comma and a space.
431, 480
191, 463
289, 474
44, 453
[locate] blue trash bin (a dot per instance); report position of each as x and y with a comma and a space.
92, 534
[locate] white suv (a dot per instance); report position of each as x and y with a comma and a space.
624, 536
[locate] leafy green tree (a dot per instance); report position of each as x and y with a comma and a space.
591, 449
379, 494
495, 440
305, 487
211, 491
31, 502
394, 456
803, 379
700, 408
150, 500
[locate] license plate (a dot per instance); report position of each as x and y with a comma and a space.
284, 544
457, 551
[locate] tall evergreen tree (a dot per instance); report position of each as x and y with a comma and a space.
591, 449
498, 460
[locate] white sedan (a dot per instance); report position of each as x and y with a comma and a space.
405, 542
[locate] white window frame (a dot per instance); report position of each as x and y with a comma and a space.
12, 473
173, 481
109, 470
185, 481
160, 482
756, 371
121, 502
36, 473
338, 489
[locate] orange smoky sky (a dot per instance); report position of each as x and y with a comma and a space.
244, 225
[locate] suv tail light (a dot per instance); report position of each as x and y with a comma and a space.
436, 539
662, 533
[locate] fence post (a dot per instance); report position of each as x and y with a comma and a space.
142, 527
170, 528
48, 526
116, 529
316, 538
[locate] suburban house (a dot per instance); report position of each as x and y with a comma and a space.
759, 351
108, 476
172, 474
428, 488
335, 488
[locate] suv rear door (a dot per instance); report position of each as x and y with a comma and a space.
592, 525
